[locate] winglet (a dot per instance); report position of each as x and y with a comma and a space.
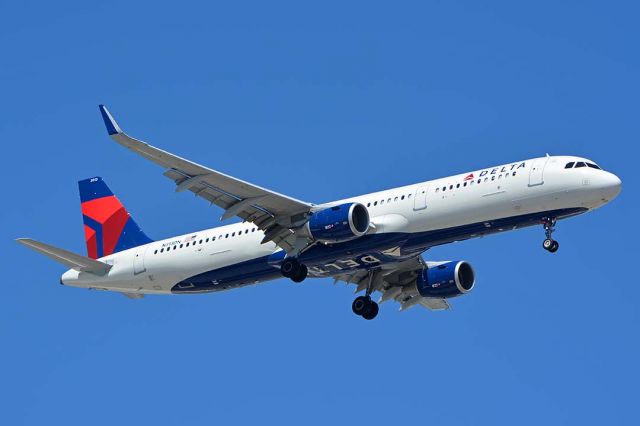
109, 122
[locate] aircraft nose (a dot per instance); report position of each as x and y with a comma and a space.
610, 184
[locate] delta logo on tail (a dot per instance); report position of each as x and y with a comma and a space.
108, 227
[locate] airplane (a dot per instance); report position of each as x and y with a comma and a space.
374, 241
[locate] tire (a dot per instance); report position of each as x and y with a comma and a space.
361, 305
372, 311
554, 247
547, 244
301, 274
289, 267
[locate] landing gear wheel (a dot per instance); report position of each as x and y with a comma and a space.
289, 267
365, 307
547, 244
360, 305
372, 311
550, 245
300, 275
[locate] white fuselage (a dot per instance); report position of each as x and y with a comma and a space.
410, 218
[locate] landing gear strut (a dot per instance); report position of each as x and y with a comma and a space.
549, 243
293, 269
363, 305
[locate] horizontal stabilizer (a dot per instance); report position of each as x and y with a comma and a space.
72, 260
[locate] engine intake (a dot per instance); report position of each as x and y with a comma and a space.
339, 223
448, 279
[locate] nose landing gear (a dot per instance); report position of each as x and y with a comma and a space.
293, 269
549, 243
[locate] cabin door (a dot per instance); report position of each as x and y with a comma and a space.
536, 175
138, 260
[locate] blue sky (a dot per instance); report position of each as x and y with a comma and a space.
319, 101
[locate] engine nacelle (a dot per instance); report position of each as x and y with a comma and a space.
339, 223
448, 279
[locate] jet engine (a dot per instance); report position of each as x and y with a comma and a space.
446, 279
339, 223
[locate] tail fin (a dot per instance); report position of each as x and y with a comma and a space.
108, 227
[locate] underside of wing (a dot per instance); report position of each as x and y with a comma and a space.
276, 214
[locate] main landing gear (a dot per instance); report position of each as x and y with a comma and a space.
363, 305
293, 269
549, 244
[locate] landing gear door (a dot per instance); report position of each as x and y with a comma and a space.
420, 199
138, 260
536, 175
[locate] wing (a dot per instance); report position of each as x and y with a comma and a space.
396, 282
274, 213
67, 258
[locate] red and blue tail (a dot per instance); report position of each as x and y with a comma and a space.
108, 227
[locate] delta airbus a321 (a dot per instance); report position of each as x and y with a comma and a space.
374, 241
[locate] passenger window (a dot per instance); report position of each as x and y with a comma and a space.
458, 186
188, 244
580, 164
368, 204
155, 252
479, 180
499, 176
465, 184
409, 196
206, 241
450, 186
437, 189
388, 200
402, 198
375, 203
226, 236
246, 231
161, 250
513, 174
253, 230
493, 177
569, 165
200, 242
395, 199
174, 247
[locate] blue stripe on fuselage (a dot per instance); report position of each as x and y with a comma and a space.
362, 253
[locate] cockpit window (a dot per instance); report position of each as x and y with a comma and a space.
580, 164
569, 165
593, 166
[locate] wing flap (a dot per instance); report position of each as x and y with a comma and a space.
67, 258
